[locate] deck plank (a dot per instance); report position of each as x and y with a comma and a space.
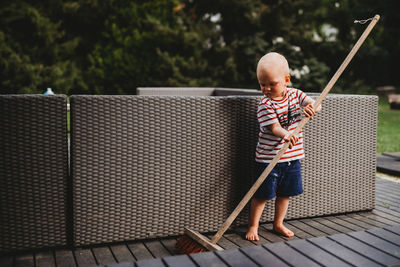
342, 252
25, 260
122, 253
383, 221
329, 223
320, 227
290, 255
360, 248
387, 235
179, 260
103, 255
387, 193
316, 253
388, 184
224, 243
393, 229
157, 249
169, 244
388, 206
347, 224
65, 258
387, 216
364, 249
84, 257
269, 228
362, 217
377, 242
207, 259
386, 209
150, 263
356, 221
45, 259
241, 232
234, 257
6, 261
123, 264
306, 228
139, 251
382, 195
385, 196
268, 235
299, 233
238, 240
262, 256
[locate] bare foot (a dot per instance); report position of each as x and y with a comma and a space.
283, 230
252, 233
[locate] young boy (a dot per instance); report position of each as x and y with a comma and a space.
278, 114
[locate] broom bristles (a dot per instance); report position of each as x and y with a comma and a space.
186, 245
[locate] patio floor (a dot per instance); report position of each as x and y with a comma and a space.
384, 216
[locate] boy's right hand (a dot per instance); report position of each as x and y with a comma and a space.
292, 139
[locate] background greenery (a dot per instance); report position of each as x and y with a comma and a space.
388, 128
112, 47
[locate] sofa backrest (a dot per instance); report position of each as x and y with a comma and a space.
195, 91
33, 172
175, 91
149, 166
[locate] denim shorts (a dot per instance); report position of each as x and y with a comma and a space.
283, 181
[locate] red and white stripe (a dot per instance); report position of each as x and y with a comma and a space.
268, 144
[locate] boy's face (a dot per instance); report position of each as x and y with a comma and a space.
273, 83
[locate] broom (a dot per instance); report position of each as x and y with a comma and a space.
193, 242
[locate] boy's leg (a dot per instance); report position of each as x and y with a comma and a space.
256, 209
281, 206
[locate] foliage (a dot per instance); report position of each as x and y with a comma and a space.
33, 53
113, 47
388, 128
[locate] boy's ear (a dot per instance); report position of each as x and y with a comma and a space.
287, 79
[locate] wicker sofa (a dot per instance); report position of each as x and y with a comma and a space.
33, 172
148, 166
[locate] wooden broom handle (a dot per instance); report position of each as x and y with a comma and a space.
303, 122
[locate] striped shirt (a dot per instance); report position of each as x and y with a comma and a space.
271, 111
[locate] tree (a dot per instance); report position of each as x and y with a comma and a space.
33, 55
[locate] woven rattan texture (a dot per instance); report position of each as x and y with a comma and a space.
151, 166
33, 171
148, 166
340, 163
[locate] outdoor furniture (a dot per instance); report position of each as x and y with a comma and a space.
148, 166
385, 90
195, 91
394, 101
33, 172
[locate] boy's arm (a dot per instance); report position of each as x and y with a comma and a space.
278, 131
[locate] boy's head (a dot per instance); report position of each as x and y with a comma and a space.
273, 75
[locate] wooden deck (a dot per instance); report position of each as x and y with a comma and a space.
343, 227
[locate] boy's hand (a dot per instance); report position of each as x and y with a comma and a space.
291, 138
309, 111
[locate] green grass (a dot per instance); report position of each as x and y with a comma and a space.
388, 128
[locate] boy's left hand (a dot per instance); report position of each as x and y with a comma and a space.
309, 111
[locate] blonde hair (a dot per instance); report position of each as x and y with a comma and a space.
273, 60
